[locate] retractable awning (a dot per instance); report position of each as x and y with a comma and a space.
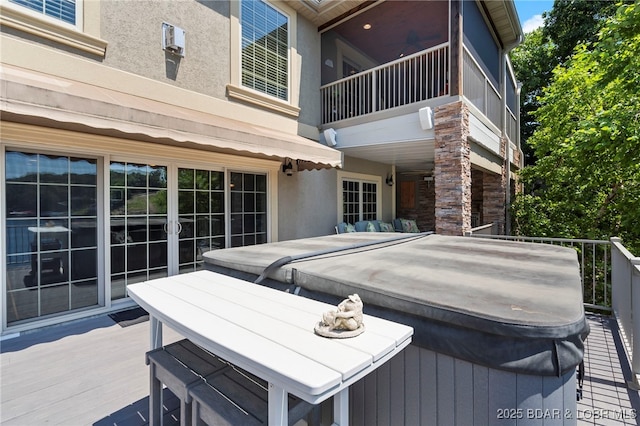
32, 97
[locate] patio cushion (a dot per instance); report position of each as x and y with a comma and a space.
409, 225
386, 227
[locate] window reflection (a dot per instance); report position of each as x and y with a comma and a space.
48, 253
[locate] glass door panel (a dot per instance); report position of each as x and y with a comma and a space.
51, 234
248, 209
200, 215
138, 229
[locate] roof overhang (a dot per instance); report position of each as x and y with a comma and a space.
505, 20
502, 13
36, 98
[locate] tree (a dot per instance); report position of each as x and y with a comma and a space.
586, 182
574, 22
532, 62
568, 24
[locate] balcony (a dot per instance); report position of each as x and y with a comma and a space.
413, 79
93, 371
410, 79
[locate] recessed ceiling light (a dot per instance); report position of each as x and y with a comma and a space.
367, 26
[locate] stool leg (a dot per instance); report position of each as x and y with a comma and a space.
185, 413
155, 398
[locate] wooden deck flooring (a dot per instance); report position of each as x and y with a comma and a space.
92, 372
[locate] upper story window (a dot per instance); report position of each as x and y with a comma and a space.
63, 10
265, 49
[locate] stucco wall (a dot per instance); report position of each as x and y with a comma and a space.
308, 200
309, 50
134, 32
307, 204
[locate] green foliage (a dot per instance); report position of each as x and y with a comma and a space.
574, 22
532, 61
586, 182
568, 24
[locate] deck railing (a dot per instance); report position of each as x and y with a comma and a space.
479, 90
625, 278
594, 257
414, 78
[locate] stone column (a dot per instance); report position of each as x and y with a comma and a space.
452, 171
493, 204
495, 197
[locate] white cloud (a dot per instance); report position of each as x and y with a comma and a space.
532, 23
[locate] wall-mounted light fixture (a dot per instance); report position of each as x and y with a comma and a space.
389, 180
287, 167
330, 137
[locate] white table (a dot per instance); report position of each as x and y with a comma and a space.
270, 334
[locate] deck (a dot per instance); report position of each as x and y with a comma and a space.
92, 372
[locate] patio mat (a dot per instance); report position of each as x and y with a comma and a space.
130, 317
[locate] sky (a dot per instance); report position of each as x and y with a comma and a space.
530, 13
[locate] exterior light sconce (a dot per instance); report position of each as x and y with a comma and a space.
389, 180
287, 168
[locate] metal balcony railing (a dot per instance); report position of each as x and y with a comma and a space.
625, 278
418, 77
594, 257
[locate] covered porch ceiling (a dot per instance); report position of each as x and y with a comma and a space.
407, 157
325, 13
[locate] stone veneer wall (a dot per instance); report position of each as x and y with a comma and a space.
452, 171
424, 211
493, 205
495, 199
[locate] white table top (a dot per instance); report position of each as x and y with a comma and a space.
269, 332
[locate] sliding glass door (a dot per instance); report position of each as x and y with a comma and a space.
51, 234
66, 250
165, 217
201, 224
139, 220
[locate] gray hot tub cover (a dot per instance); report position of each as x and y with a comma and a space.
506, 305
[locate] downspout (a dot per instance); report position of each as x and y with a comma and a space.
506, 50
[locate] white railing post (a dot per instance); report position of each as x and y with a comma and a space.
634, 281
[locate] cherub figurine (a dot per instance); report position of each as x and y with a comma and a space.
348, 317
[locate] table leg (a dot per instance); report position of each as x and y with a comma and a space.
341, 408
156, 332
278, 406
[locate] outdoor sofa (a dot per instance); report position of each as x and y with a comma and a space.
397, 225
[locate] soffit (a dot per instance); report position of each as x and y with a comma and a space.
505, 20
319, 12
502, 13
37, 98
407, 156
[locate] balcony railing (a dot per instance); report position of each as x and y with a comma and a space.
477, 88
418, 77
610, 282
594, 257
626, 300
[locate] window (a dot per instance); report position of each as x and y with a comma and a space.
265, 49
63, 10
359, 200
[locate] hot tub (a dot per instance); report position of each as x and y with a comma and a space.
498, 326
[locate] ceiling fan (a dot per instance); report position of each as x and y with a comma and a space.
413, 41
